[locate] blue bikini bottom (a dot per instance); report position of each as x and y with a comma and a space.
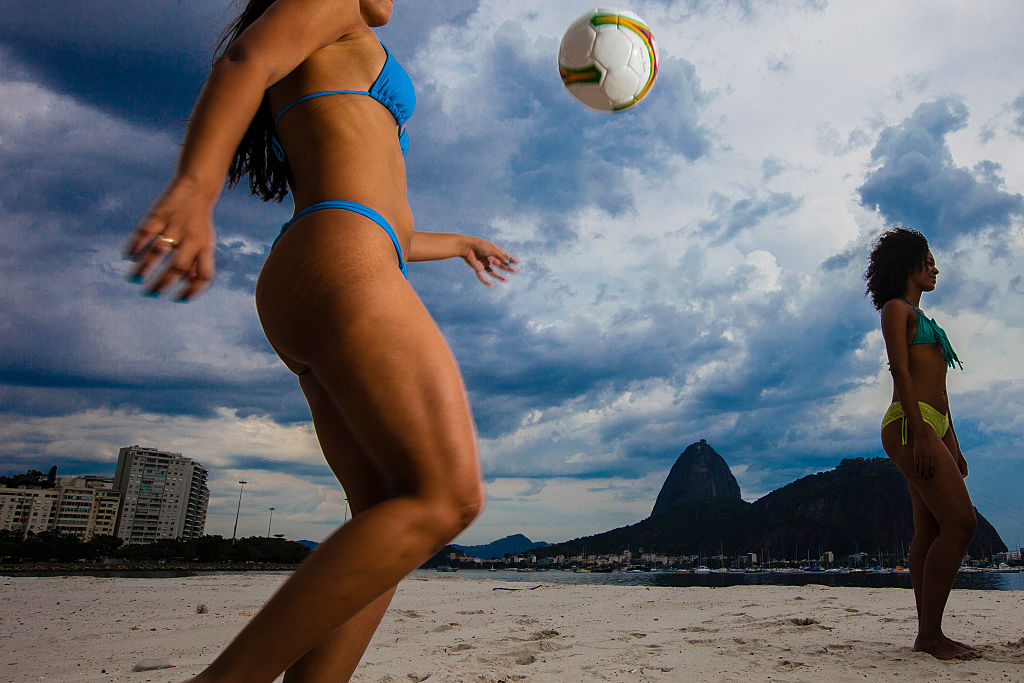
354, 207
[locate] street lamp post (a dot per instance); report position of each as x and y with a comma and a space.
239, 510
271, 521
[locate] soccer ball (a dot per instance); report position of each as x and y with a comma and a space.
608, 59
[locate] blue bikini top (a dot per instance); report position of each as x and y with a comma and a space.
393, 89
929, 332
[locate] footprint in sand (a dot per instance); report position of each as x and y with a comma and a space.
543, 635
807, 621
518, 657
788, 665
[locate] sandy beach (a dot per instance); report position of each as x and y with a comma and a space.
450, 628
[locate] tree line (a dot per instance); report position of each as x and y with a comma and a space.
50, 546
33, 479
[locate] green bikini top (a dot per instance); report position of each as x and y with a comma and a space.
929, 332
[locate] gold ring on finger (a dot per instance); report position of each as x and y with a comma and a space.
170, 241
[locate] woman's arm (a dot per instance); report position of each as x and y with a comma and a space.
895, 322
182, 216
482, 256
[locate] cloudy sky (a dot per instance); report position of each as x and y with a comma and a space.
690, 268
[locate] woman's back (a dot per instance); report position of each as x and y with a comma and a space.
342, 146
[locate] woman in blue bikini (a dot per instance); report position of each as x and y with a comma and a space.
305, 99
917, 432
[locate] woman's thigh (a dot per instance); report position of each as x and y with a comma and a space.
364, 483
336, 305
944, 494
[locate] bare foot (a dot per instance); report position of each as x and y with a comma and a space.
959, 644
945, 649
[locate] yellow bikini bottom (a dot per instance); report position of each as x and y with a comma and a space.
932, 417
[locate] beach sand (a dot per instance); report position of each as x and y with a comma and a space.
450, 628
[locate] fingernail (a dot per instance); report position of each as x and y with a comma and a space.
127, 256
151, 293
133, 278
182, 300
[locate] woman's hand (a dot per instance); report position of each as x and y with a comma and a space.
927, 451
483, 257
175, 243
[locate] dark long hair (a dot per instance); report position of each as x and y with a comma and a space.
896, 254
268, 177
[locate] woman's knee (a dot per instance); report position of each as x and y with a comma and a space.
969, 524
961, 525
464, 504
450, 512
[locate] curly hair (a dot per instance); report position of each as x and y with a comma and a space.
268, 176
896, 254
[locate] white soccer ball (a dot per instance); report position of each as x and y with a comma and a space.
608, 59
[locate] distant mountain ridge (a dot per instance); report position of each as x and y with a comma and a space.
860, 506
510, 545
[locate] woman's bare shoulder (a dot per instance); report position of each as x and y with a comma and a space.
896, 308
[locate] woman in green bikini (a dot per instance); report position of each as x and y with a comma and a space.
917, 433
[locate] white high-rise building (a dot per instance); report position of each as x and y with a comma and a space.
163, 495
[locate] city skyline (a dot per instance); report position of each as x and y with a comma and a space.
152, 495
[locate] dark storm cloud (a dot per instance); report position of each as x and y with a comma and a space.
317, 472
77, 336
138, 60
918, 184
145, 61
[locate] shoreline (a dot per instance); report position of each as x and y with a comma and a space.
969, 579
442, 627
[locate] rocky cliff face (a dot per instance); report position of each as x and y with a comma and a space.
698, 474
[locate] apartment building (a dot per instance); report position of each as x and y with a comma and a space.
87, 506
162, 495
26, 511
76, 506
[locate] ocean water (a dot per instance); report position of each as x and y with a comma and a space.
964, 580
